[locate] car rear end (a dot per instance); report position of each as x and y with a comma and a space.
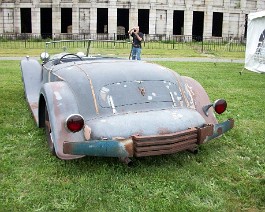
141, 110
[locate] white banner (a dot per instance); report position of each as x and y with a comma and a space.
255, 47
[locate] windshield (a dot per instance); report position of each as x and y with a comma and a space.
86, 47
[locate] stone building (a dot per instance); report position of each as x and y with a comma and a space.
219, 18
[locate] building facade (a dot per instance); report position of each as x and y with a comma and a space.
220, 18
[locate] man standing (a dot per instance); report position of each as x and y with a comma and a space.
136, 43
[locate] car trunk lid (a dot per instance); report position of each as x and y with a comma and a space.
157, 122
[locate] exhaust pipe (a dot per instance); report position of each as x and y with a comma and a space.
127, 161
194, 151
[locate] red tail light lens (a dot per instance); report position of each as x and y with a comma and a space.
75, 123
220, 106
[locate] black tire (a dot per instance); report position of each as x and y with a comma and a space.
48, 131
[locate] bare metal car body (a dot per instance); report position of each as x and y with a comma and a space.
129, 108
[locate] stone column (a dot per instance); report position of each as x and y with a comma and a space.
93, 19
152, 21
133, 14
241, 24
35, 18
133, 17
227, 4
243, 5
169, 28
112, 19
56, 17
208, 18
188, 19
225, 25
75, 17
260, 5
1, 21
208, 22
17, 19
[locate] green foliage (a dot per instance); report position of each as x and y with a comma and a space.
228, 174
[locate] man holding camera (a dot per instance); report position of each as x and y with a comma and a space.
136, 43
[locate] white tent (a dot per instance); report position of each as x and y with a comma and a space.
255, 48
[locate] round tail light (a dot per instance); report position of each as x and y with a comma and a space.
220, 106
75, 123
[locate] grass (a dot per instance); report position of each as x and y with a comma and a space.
150, 49
125, 52
228, 174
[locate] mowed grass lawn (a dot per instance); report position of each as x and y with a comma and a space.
228, 174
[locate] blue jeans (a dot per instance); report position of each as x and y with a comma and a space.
136, 53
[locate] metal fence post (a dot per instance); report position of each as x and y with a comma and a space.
114, 40
173, 41
202, 44
152, 41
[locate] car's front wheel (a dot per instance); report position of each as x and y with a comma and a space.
48, 131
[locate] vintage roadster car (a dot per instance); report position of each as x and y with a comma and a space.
100, 106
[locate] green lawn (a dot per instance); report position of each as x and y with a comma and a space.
151, 49
228, 174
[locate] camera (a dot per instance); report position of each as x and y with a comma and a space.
134, 30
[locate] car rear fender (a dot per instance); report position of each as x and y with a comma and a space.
200, 98
31, 77
61, 103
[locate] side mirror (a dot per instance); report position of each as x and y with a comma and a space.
44, 56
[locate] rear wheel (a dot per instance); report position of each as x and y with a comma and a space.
48, 131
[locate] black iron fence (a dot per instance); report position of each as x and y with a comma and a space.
151, 41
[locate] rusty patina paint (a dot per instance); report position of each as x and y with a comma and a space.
165, 144
141, 146
220, 128
58, 94
204, 132
220, 131
128, 145
34, 109
200, 98
161, 114
92, 89
104, 148
163, 131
